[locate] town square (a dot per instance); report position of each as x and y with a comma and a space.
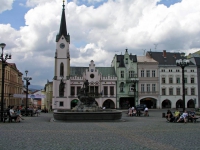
102, 74
147, 133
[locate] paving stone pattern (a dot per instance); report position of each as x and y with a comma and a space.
140, 133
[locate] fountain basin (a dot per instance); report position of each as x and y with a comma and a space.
101, 115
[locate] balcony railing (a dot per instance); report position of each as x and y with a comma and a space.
131, 93
132, 80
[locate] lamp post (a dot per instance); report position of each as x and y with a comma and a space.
183, 63
3, 63
135, 89
27, 79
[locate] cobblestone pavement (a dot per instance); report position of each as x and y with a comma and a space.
141, 133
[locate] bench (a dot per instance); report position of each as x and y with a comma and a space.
5, 116
28, 113
193, 119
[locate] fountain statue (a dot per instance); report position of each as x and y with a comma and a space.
87, 103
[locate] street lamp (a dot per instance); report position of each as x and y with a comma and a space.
135, 81
27, 84
3, 63
183, 63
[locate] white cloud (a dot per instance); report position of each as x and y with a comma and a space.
5, 5
98, 33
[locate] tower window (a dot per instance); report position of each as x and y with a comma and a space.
62, 69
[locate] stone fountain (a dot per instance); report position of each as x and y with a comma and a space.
87, 110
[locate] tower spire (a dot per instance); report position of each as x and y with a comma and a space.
63, 26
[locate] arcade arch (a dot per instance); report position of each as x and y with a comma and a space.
191, 104
166, 104
179, 104
108, 104
149, 101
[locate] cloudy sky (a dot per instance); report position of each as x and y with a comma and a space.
98, 29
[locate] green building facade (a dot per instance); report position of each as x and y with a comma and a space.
127, 79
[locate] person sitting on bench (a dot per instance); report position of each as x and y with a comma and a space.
13, 115
192, 115
169, 116
130, 112
146, 112
176, 114
183, 116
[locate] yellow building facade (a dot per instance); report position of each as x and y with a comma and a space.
13, 84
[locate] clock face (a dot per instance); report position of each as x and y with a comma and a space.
62, 45
91, 75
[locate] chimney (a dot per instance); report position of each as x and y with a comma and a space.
164, 54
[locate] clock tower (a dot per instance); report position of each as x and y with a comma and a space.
61, 66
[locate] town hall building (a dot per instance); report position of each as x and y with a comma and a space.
69, 80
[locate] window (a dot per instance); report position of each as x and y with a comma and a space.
185, 79
105, 89
72, 90
61, 104
112, 90
153, 87
186, 93
132, 87
131, 74
142, 73
177, 70
170, 80
192, 91
91, 89
126, 60
163, 80
148, 73
62, 69
96, 89
122, 74
178, 91
142, 87
170, 91
163, 92
148, 87
163, 70
153, 73
192, 80
170, 70
192, 70
78, 89
177, 80
121, 86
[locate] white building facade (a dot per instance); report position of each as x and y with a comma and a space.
170, 79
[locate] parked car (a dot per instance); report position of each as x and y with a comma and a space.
141, 107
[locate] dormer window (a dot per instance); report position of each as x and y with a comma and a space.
126, 60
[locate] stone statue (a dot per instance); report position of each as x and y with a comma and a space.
86, 87
87, 103
61, 88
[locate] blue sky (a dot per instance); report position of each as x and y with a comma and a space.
99, 29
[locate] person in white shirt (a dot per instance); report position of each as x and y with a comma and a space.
183, 116
13, 114
146, 111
